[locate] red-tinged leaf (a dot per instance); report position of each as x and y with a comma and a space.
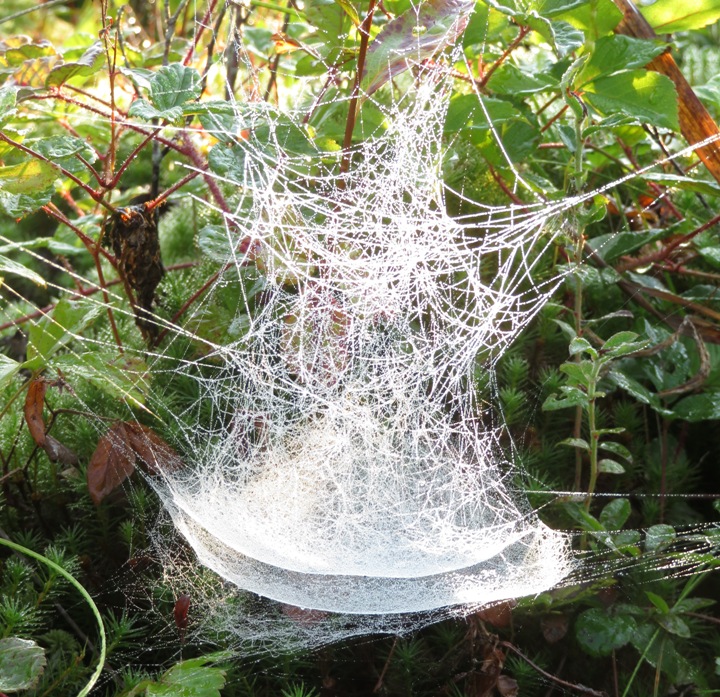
111, 464
307, 618
57, 452
155, 453
34, 404
180, 614
498, 615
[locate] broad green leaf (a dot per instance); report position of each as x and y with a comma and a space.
658, 650
219, 118
34, 73
21, 664
19, 53
332, 24
414, 36
142, 109
659, 602
19, 205
638, 391
571, 397
17, 269
174, 85
684, 183
466, 112
582, 373
616, 244
658, 537
615, 53
649, 97
600, 632
595, 18
615, 514
215, 243
191, 678
88, 64
698, 407
27, 177
607, 466
228, 161
582, 345
8, 370
62, 150
670, 16
674, 624
55, 330
509, 79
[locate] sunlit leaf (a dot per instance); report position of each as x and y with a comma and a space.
670, 16
88, 64
27, 177
17, 269
649, 97
413, 37
617, 52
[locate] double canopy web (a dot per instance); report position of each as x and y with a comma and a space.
351, 468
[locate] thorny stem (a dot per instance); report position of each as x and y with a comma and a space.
364, 30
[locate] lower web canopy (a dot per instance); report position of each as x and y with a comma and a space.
354, 471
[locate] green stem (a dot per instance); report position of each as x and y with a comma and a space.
58, 569
593, 447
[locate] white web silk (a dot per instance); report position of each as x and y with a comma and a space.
354, 471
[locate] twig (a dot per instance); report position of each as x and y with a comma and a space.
378, 684
21, 13
563, 683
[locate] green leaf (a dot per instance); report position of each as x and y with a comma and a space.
572, 397
674, 624
581, 345
17, 269
648, 96
600, 632
466, 112
332, 23
619, 341
8, 96
616, 53
615, 514
8, 370
509, 79
62, 150
27, 177
191, 678
670, 16
616, 244
88, 64
616, 449
53, 331
595, 18
173, 85
21, 664
563, 37
350, 11
658, 537
607, 466
19, 205
698, 407
414, 36
142, 109
658, 602
576, 443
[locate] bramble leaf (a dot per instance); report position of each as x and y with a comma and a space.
21, 664
88, 64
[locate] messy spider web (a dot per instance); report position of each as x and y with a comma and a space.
351, 471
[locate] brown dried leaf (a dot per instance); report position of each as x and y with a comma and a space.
111, 464
507, 687
180, 614
155, 453
57, 452
34, 403
498, 615
554, 627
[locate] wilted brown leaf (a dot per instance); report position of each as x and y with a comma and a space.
180, 614
34, 404
57, 452
111, 464
506, 686
498, 615
154, 452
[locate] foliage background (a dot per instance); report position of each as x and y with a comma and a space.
99, 103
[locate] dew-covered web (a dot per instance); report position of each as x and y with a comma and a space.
347, 466
336, 458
